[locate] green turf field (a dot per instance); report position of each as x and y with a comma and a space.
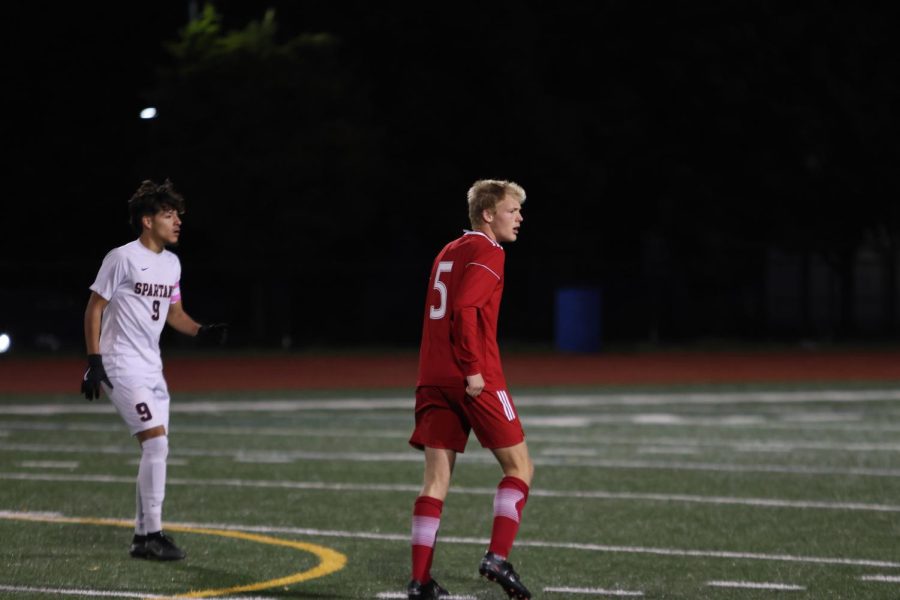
654, 493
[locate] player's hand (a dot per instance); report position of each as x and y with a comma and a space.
95, 374
219, 331
474, 384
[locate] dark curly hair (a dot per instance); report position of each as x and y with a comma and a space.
151, 198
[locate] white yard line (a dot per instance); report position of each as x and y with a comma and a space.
409, 455
666, 450
860, 562
839, 423
7, 426
719, 467
750, 585
77, 592
412, 487
522, 400
595, 447
571, 421
49, 464
881, 578
223, 406
714, 397
404, 538
263, 458
587, 447
816, 420
593, 591
476, 458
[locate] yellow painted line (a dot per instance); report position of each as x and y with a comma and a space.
330, 560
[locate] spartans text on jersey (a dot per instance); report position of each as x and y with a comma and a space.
154, 290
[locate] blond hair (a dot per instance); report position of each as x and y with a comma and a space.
486, 193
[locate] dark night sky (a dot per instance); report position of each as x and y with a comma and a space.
669, 153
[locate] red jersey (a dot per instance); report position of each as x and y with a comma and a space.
459, 331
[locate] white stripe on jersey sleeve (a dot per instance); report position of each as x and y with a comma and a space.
484, 266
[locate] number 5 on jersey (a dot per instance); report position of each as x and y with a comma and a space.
438, 312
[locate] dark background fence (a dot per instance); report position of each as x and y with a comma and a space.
720, 172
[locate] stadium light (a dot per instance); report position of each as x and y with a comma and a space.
148, 113
4, 342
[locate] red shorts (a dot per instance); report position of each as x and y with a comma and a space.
445, 416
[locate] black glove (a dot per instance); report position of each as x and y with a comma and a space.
219, 331
90, 385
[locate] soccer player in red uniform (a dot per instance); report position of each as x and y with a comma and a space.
461, 386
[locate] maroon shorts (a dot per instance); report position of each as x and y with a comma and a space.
445, 416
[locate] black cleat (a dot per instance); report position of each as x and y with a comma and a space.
138, 546
425, 591
156, 547
497, 569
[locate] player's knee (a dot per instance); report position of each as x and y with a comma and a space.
521, 468
529, 468
156, 449
526, 470
436, 485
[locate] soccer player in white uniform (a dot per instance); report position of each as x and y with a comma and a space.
136, 292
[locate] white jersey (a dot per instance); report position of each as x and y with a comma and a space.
140, 285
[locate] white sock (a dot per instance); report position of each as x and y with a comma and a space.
139, 528
152, 481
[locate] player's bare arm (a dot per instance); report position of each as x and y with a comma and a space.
182, 322
95, 374
93, 315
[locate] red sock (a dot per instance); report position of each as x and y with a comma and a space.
425, 523
512, 493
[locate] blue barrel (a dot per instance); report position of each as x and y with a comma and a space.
578, 319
